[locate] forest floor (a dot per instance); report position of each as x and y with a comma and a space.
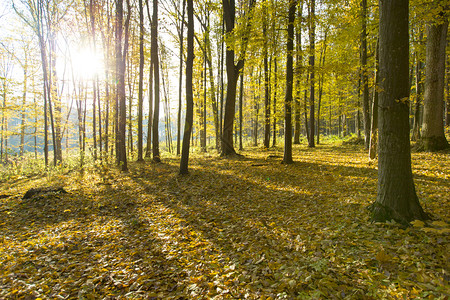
242, 228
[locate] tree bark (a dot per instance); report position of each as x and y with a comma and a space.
233, 70
287, 158
155, 61
298, 68
266, 84
241, 93
141, 81
121, 126
419, 95
312, 36
433, 136
364, 76
180, 83
374, 124
396, 196
189, 93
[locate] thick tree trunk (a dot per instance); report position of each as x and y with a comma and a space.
233, 70
287, 158
189, 94
396, 197
433, 136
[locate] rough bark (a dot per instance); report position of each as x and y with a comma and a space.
396, 196
233, 70
433, 136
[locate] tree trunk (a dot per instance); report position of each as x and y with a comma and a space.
122, 114
374, 124
419, 93
287, 158
155, 61
447, 86
298, 60
266, 84
396, 197
233, 70
321, 78
24, 102
141, 81
241, 93
180, 83
274, 140
433, 136
364, 75
189, 94
312, 36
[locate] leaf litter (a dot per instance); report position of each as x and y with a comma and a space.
242, 228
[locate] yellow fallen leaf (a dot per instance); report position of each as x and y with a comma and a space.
439, 223
382, 256
418, 223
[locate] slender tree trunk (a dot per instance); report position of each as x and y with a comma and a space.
221, 80
312, 41
274, 140
419, 95
321, 77
287, 158
155, 60
141, 81
364, 75
266, 84
150, 113
433, 136
298, 60
24, 102
189, 93
447, 86
241, 92
122, 114
180, 83
396, 198
374, 125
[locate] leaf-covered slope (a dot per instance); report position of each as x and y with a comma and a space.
243, 228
